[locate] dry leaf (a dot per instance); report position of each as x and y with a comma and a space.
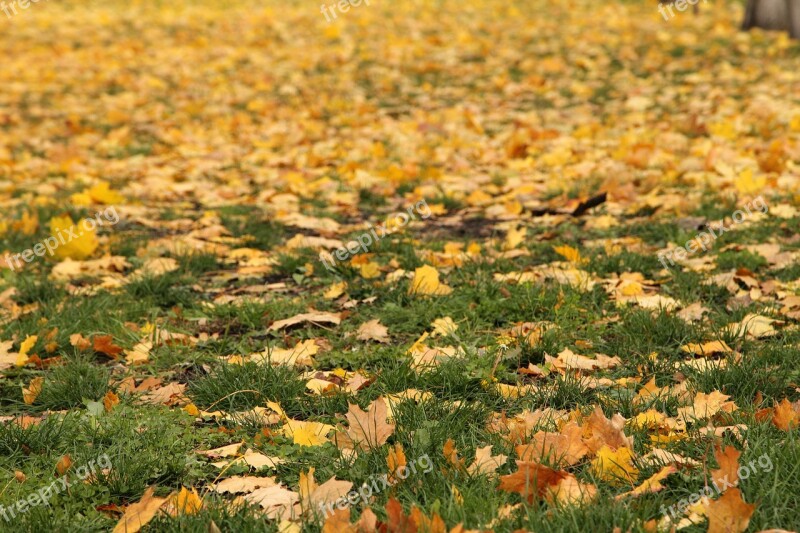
369, 429
137, 515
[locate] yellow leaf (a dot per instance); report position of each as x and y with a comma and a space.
370, 270
306, 433
335, 290
24, 348
514, 237
140, 513
28, 224
615, 466
80, 247
747, 184
569, 253
102, 194
187, 502
426, 281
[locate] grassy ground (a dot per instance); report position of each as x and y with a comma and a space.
240, 139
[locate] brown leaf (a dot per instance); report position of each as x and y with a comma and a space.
277, 501
397, 521
369, 429
30, 393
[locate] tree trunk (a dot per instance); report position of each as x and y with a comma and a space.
783, 15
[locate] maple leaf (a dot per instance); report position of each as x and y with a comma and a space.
728, 472
306, 433
531, 480
485, 462
730, 513
369, 429
570, 491
63, 465
373, 330
615, 465
105, 344
301, 355
786, 416
564, 448
568, 360
138, 514
277, 501
707, 348
600, 431
185, 501
339, 522
706, 406
569, 253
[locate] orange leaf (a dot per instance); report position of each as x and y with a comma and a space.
339, 522
110, 400
34, 388
728, 473
63, 465
105, 344
785, 417
396, 459
397, 521
531, 479
451, 454
730, 513
140, 513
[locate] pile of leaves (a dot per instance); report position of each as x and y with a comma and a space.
515, 357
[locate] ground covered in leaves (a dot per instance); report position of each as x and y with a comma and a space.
510, 355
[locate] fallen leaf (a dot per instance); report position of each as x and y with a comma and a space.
730, 513
369, 429
137, 515
373, 331
313, 318
426, 282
